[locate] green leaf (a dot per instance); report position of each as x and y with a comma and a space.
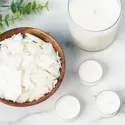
34, 4
13, 7
1, 24
0, 16
18, 14
13, 20
47, 5
40, 6
20, 2
7, 16
28, 8
6, 22
0, 32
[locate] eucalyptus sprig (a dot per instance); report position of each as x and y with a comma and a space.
19, 8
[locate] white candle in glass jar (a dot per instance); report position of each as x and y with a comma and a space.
68, 107
93, 23
107, 103
90, 72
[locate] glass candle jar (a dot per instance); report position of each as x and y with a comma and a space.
107, 103
93, 24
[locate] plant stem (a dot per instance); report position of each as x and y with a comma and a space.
5, 6
19, 6
9, 6
10, 19
39, 8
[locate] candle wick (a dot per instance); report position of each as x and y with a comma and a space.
94, 12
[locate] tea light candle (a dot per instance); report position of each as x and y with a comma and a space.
93, 23
90, 72
107, 103
68, 107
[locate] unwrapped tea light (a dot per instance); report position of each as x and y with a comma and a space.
90, 72
68, 107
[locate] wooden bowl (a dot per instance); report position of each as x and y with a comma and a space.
47, 38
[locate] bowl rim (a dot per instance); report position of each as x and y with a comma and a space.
62, 72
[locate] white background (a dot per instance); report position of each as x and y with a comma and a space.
54, 21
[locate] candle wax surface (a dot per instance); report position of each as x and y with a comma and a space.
68, 107
107, 102
95, 15
90, 71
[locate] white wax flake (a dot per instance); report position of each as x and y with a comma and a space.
14, 61
44, 61
48, 49
18, 37
14, 83
6, 41
31, 47
35, 39
10, 82
14, 46
27, 62
26, 80
40, 76
49, 63
29, 68
23, 97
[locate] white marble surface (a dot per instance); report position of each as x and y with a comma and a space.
113, 59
